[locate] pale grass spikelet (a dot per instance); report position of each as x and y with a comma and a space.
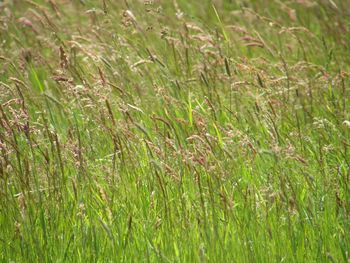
347, 124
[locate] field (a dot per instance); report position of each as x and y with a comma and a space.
174, 131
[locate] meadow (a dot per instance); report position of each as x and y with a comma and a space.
175, 131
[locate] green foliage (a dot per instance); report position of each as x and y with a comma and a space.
174, 131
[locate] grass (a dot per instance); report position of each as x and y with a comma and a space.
174, 131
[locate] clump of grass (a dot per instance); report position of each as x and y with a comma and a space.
176, 131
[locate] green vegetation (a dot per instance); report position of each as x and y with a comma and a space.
175, 131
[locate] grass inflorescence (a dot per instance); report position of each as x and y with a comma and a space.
174, 131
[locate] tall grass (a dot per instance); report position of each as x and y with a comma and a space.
174, 131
